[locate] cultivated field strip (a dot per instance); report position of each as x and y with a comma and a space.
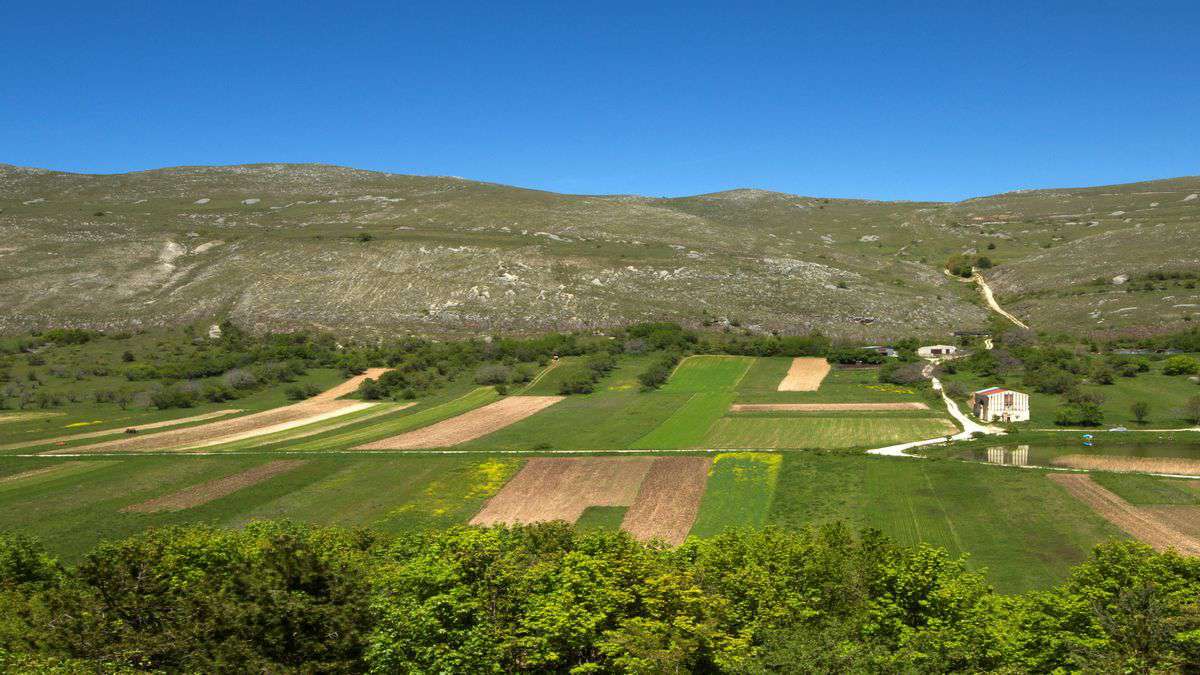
350, 385
112, 432
318, 408
295, 433
45, 473
827, 407
468, 426
668, 500
805, 374
215, 489
1139, 523
561, 488
663, 493
1178, 466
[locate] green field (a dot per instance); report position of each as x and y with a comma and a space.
1141, 490
739, 492
708, 373
75, 506
841, 385
822, 432
1020, 526
604, 518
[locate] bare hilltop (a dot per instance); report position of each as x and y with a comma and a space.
301, 245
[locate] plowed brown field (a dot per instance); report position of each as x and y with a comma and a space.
560, 488
1142, 524
467, 426
668, 500
662, 493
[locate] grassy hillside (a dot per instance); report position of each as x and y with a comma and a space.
278, 246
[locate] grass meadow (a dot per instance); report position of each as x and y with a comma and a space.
1020, 526
79, 503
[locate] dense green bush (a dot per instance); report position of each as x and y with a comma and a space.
1081, 413
656, 374
278, 597
1181, 365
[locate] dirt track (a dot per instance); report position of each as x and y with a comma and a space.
1173, 465
668, 500
467, 426
319, 407
560, 488
825, 407
805, 374
215, 489
1142, 524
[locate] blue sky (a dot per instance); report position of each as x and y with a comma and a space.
922, 100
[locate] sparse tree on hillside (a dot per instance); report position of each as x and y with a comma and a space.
1191, 410
1140, 410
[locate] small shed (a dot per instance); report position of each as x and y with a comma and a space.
934, 351
883, 350
997, 404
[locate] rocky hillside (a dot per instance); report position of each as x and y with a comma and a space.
277, 246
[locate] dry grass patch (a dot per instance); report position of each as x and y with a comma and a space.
668, 500
1145, 525
561, 488
805, 374
1170, 465
215, 489
825, 407
467, 426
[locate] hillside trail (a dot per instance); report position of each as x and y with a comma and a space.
988, 296
991, 300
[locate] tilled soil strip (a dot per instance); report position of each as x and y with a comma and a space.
1141, 524
342, 408
1185, 519
467, 426
215, 489
669, 499
826, 407
119, 430
805, 374
222, 431
560, 488
349, 386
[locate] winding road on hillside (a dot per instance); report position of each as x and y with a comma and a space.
991, 300
970, 426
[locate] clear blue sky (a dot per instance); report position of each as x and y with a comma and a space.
919, 100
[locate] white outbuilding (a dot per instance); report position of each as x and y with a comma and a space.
997, 404
937, 351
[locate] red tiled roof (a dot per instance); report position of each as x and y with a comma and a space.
990, 391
